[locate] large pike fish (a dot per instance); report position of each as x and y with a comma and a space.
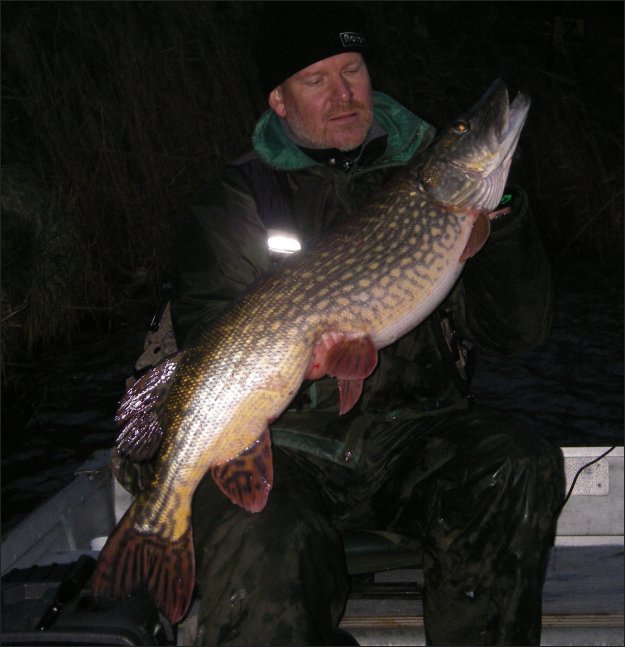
325, 311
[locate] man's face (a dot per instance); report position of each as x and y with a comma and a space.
328, 104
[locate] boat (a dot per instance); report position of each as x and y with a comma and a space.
48, 558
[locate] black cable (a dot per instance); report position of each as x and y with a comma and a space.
579, 471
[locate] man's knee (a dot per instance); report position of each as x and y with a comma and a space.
284, 568
286, 524
489, 462
491, 438
527, 462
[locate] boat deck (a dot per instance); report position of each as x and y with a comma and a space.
582, 599
583, 593
582, 602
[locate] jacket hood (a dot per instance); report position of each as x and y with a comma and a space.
407, 133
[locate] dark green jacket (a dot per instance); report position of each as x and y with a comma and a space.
501, 304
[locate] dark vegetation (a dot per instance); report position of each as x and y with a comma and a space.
113, 112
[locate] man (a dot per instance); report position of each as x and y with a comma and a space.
414, 458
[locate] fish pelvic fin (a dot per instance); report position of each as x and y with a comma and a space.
140, 412
132, 560
247, 479
479, 235
348, 357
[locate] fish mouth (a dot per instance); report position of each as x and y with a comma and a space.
499, 124
514, 116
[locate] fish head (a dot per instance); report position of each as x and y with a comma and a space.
468, 163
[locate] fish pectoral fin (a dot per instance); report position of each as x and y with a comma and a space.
479, 235
247, 479
139, 413
348, 357
349, 392
351, 360
131, 560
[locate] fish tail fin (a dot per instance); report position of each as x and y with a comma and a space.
132, 560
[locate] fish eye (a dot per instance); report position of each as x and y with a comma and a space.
462, 127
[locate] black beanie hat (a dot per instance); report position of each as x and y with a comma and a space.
294, 35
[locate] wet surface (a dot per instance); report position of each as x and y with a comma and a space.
60, 413
571, 388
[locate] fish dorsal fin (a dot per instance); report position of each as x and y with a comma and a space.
139, 413
348, 357
479, 235
247, 479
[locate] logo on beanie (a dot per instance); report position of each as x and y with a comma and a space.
351, 38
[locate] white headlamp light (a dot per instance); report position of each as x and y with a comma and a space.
282, 242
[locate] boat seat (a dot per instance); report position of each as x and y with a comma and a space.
370, 551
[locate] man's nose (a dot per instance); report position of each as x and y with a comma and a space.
341, 89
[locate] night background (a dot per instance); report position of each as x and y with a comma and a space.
114, 112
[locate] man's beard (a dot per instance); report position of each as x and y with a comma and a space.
348, 139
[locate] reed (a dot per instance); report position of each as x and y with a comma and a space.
120, 110
117, 111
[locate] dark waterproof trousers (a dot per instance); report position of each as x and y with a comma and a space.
478, 490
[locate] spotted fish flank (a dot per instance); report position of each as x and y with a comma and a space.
326, 311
